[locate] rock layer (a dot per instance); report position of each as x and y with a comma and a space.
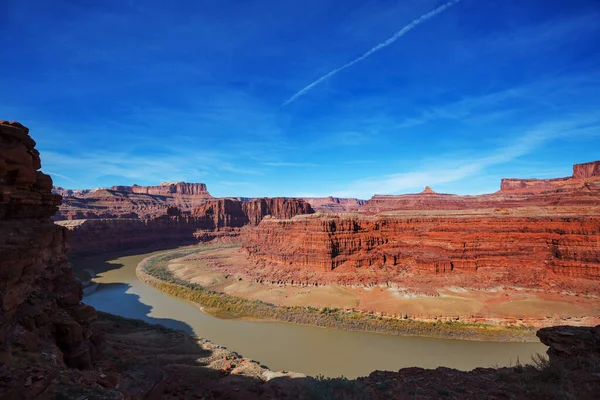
581, 189
334, 204
215, 218
532, 232
130, 201
40, 308
496, 247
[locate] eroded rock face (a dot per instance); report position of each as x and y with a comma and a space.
573, 345
582, 175
40, 300
586, 170
580, 189
167, 189
169, 225
141, 202
379, 249
230, 213
334, 204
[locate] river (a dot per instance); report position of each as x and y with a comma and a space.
291, 347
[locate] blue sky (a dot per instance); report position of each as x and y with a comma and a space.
124, 92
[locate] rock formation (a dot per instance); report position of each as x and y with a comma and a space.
216, 218
40, 300
334, 204
581, 189
497, 247
130, 201
136, 216
546, 236
167, 189
47, 336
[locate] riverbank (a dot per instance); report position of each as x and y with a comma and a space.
153, 271
141, 360
224, 269
308, 349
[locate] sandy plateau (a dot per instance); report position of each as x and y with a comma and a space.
500, 305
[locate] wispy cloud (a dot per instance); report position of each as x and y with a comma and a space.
128, 167
62, 176
290, 164
380, 46
447, 169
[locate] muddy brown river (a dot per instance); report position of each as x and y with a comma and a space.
291, 347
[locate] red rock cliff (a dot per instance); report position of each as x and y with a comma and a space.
118, 227
130, 201
221, 213
522, 246
40, 308
587, 170
334, 204
581, 172
167, 189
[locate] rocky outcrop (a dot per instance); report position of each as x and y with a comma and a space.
574, 345
531, 185
230, 213
94, 236
586, 170
582, 173
141, 202
334, 204
581, 189
499, 247
214, 219
167, 189
532, 231
40, 300
278, 207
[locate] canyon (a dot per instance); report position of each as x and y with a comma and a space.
54, 346
530, 245
530, 233
137, 216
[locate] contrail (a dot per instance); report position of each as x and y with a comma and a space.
380, 46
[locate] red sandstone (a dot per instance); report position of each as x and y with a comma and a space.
544, 234
334, 204
40, 309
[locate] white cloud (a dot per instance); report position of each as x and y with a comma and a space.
447, 169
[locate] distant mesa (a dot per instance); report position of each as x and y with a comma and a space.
166, 189
428, 190
585, 171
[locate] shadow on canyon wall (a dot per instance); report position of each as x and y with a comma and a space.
98, 262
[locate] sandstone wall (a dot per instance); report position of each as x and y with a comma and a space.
130, 201
514, 247
586, 170
509, 184
334, 204
213, 219
582, 189
40, 308
167, 189
94, 236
